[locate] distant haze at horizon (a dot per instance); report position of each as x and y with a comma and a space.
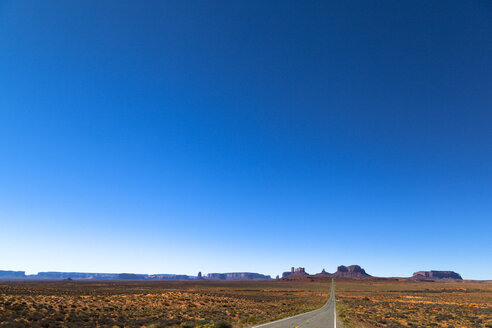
170, 137
352, 271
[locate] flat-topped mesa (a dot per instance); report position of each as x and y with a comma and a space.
236, 276
434, 274
7, 274
297, 272
54, 275
350, 271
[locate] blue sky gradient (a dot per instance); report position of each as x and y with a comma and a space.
177, 137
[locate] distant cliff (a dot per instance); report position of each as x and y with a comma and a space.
55, 275
433, 274
169, 277
323, 273
297, 272
73, 275
236, 276
5, 274
132, 276
350, 271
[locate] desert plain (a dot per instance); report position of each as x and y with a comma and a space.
222, 304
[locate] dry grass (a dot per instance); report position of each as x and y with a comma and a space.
415, 304
206, 304
154, 304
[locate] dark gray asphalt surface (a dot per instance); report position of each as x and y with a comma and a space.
324, 317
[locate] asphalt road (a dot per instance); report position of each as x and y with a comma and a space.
324, 317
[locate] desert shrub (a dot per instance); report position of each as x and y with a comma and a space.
222, 324
156, 325
11, 324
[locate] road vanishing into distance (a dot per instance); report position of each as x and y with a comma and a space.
324, 317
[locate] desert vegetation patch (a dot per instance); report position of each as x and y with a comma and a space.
415, 304
154, 304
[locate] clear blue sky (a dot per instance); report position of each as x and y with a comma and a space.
214, 136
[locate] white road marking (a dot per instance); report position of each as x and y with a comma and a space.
334, 314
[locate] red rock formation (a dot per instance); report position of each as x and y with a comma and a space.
431, 275
236, 276
323, 273
298, 272
350, 271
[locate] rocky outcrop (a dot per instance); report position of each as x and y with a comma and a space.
74, 275
354, 271
132, 276
169, 277
236, 276
106, 276
297, 272
323, 273
55, 275
434, 275
7, 274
